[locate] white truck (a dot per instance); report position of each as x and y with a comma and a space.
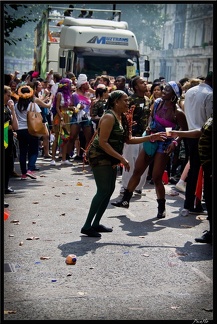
85, 45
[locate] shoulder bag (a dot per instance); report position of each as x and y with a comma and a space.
150, 147
36, 127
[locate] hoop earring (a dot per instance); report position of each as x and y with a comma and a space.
173, 99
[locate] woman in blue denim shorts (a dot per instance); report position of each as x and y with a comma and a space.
166, 113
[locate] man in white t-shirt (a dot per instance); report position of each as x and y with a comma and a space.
198, 107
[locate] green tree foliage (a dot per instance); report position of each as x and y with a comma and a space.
145, 20
19, 24
13, 20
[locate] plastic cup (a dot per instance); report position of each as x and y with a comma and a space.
168, 130
71, 259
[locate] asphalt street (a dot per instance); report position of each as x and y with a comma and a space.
146, 269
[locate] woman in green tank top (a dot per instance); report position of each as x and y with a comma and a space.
104, 155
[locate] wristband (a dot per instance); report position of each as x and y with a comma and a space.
175, 143
61, 118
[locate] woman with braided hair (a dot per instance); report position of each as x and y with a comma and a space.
104, 155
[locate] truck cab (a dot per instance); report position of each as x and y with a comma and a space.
92, 46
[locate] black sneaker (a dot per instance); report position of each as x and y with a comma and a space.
198, 210
102, 229
205, 238
90, 232
9, 190
173, 180
6, 205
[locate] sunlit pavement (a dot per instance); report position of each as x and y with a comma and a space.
146, 269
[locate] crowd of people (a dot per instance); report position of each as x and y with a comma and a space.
112, 124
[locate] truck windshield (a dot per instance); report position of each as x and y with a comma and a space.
93, 66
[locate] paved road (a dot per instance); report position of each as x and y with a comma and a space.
146, 269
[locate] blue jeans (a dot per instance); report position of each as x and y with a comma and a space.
28, 147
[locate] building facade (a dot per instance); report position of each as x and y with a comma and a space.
12, 64
187, 43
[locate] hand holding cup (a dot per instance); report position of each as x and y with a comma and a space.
168, 131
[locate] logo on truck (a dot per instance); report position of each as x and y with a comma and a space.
109, 40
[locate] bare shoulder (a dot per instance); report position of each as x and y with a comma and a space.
58, 97
93, 101
181, 119
179, 110
107, 118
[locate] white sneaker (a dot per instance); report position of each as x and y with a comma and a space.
66, 162
184, 212
122, 190
181, 186
138, 192
53, 162
52, 138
